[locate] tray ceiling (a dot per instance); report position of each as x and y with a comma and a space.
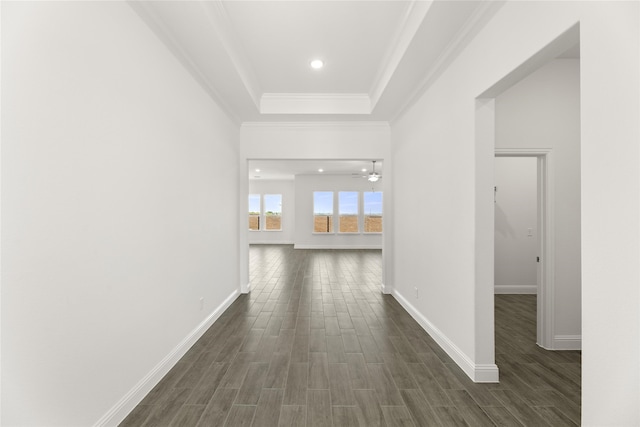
253, 57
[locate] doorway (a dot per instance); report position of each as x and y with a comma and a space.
357, 201
516, 230
530, 247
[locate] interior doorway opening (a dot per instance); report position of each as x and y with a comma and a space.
516, 254
354, 201
535, 108
534, 243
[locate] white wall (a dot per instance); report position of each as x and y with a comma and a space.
305, 238
516, 242
543, 111
114, 166
299, 141
287, 189
450, 258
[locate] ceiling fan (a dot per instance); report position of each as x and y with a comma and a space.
373, 176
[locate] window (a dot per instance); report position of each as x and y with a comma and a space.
348, 211
273, 212
254, 212
372, 211
323, 211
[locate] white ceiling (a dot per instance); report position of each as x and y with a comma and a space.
281, 38
253, 56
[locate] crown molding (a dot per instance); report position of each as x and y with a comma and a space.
217, 13
315, 103
159, 28
411, 22
480, 17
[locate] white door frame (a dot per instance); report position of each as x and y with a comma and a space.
546, 284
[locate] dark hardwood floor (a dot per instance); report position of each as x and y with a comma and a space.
316, 344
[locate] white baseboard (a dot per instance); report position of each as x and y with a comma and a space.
567, 342
480, 373
298, 246
246, 289
512, 289
130, 400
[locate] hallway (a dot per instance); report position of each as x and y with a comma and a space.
315, 343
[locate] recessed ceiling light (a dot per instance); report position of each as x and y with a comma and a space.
364, 169
320, 170
257, 170
316, 64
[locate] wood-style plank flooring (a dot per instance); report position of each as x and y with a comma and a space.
316, 344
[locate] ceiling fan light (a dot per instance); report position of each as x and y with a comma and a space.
373, 175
